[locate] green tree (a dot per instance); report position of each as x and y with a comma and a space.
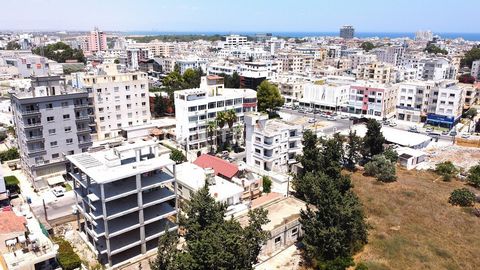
473, 177
221, 120
268, 97
267, 184
470, 56
66, 257
367, 46
12, 45
431, 48
9, 154
446, 169
167, 253
191, 78
353, 148
177, 156
462, 197
391, 154
470, 114
60, 52
373, 140
381, 168
211, 129
160, 105
116, 61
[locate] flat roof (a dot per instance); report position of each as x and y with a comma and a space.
11, 223
397, 136
105, 166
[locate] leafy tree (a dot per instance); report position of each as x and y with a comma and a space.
470, 114
116, 61
309, 159
60, 52
12, 183
470, 56
167, 252
367, 46
268, 97
232, 81
9, 154
361, 266
331, 156
160, 105
373, 140
267, 184
431, 48
354, 145
446, 169
391, 155
473, 177
211, 241
381, 168
177, 156
12, 45
192, 78
67, 258
462, 197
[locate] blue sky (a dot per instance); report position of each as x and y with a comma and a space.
242, 15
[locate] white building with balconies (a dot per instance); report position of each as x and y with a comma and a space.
271, 145
123, 200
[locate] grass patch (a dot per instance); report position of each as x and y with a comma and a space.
68, 187
414, 227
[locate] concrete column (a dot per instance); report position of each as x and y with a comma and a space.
105, 222
141, 218
175, 190
137, 155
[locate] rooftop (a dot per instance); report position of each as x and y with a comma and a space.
11, 223
220, 166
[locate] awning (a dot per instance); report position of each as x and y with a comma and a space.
55, 180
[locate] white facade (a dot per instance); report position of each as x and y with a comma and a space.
475, 69
360, 59
235, 40
391, 55
372, 99
327, 94
412, 100
271, 145
194, 108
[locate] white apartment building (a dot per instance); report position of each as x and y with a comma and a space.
135, 55
446, 103
475, 72
122, 198
235, 41
192, 63
194, 108
51, 120
326, 94
377, 72
372, 99
217, 68
119, 99
361, 59
291, 87
392, 55
271, 145
435, 69
157, 48
412, 100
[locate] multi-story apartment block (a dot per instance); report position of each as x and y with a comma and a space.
472, 95
120, 99
157, 48
291, 87
24, 64
294, 63
191, 63
423, 35
475, 72
392, 55
412, 100
218, 68
347, 32
326, 94
122, 198
194, 108
435, 69
362, 59
135, 55
235, 41
271, 145
51, 121
445, 104
96, 41
377, 72
372, 99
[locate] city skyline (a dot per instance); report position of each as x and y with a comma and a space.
216, 16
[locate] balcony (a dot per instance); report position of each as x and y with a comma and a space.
122, 206
30, 112
36, 151
125, 241
157, 196
123, 224
155, 180
82, 106
35, 138
158, 211
83, 130
83, 117
125, 255
155, 229
83, 143
32, 125
121, 188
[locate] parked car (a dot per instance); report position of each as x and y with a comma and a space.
332, 118
58, 191
344, 116
412, 128
465, 135
428, 130
393, 124
311, 120
453, 133
445, 132
386, 122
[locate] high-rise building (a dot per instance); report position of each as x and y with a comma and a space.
123, 202
347, 32
52, 120
424, 35
96, 41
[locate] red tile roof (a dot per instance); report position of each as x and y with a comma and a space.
220, 166
10, 222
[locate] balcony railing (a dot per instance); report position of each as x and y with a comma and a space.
35, 138
82, 117
36, 151
32, 125
30, 112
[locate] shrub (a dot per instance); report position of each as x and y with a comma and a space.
177, 156
361, 266
391, 155
67, 258
446, 169
462, 197
11, 183
381, 168
10, 154
267, 184
473, 177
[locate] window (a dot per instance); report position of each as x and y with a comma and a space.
68, 129
56, 155
115, 88
142, 95
51, 131
99, 90
119, 116
142, 86
66, 116
220, 103
144, 104
130, 115
71, 152
69, 141
50, 119
100, 109
192, 109
278, 241
294, 232
128, 97
129, 106
127, 87
117, 107
212, 105
202, 107
53, 144
49, 106
65, 104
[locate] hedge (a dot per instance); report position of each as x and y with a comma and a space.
67, 258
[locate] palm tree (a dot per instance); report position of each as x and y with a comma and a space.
221, 121
211, 128
238, 130
231, 118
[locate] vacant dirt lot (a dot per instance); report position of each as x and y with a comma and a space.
414, 227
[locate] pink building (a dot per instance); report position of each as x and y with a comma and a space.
96, 41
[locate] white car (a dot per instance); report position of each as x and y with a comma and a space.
465, 135
311, 120
393, 124
58, 191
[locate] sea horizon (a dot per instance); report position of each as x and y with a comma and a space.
411, 35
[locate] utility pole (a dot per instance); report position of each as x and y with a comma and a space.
45, 210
